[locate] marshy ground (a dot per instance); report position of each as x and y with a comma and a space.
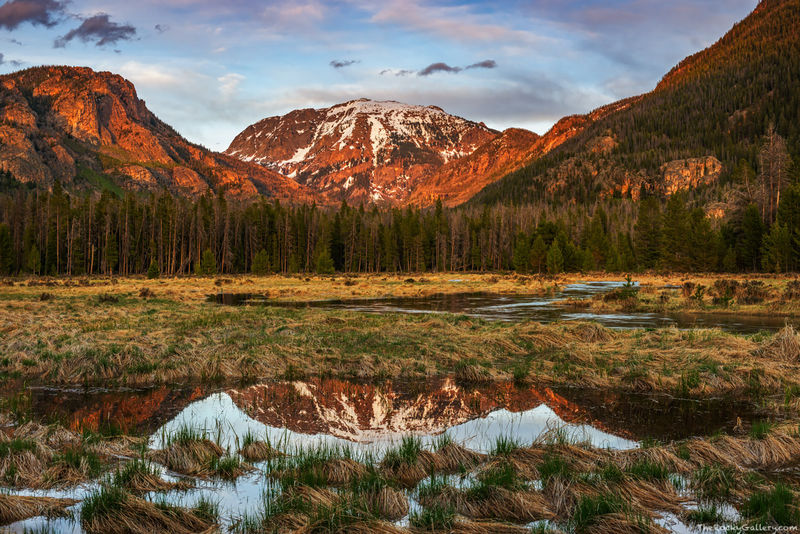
138, 332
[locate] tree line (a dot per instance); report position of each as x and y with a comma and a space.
55, 233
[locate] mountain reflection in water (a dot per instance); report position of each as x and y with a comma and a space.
321, 409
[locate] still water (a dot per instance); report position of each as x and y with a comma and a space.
543, 309
367, 418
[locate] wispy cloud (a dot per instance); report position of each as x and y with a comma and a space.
397, 72
455, 22
229, 83
533, 101
293, 14
99, 29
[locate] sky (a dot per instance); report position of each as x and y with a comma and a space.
209, 68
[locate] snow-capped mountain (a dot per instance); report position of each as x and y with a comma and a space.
362, 150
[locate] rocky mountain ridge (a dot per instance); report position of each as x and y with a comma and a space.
362, 150
89, 130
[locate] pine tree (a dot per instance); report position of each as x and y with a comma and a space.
555, 259
522, 251
34, 260
260, 263
627, 258
208, 263
324, 262
153, 271
538, 254
729, 261
777, 252
749, 242
6, 250
674, 245
112, 254
647, 230
701, 249
789, 216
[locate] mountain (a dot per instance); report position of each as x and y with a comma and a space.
707, 115
458, 181
397, 154
89, 130
697, 130
361, 150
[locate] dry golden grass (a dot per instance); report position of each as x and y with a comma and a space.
453, 458
488, 527
310, 497
409, 475
621, 524
776, 450
189, 458
653, 497
370, 527
42, 457
144, 482
15, 508
783, 346
259, 451
388, 503
26, 468
53, 436
139, 516
516, 506
678, 293
342, 471
178, 337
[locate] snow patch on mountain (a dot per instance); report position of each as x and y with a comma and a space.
391, 144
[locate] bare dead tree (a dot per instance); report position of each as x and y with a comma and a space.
773, 160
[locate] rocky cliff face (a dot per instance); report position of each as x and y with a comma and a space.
457, 181
683, 174
89, 129
361, 150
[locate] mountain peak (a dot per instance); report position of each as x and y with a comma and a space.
361, 150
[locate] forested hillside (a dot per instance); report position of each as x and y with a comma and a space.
719, 102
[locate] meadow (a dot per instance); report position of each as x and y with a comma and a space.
137, 332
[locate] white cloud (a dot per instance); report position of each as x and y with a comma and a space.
229, 83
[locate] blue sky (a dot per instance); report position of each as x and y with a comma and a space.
211, 67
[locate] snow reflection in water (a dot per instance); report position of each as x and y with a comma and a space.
225, 421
